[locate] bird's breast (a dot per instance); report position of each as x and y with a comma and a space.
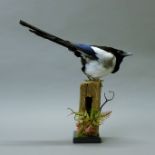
98, 69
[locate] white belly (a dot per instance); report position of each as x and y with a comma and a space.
95, 69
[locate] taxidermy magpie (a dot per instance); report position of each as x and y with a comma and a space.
97, 61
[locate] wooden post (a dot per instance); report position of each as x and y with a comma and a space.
90, 98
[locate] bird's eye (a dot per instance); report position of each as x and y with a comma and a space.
120, 52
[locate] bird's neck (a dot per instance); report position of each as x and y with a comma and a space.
117, 66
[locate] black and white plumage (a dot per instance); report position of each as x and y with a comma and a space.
97, 61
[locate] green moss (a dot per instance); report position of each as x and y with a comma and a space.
87, 125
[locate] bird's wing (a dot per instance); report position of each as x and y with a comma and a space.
86, 50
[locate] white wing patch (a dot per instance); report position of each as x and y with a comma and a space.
102, 54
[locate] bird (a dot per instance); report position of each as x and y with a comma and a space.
97, 61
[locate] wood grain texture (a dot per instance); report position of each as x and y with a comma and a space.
90, 89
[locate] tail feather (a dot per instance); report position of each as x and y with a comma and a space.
48, 36
72, 47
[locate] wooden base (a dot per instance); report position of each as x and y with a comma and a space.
88, 139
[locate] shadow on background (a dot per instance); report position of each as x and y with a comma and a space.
106, 142
120, 142
36, 143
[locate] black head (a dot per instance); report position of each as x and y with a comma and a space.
119, 54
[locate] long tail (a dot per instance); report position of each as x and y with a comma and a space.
48, 36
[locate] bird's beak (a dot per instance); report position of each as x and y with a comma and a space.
127, 54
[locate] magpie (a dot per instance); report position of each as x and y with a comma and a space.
97, 61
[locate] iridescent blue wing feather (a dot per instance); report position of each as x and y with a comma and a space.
87, 50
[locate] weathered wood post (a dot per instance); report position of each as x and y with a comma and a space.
90, 98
